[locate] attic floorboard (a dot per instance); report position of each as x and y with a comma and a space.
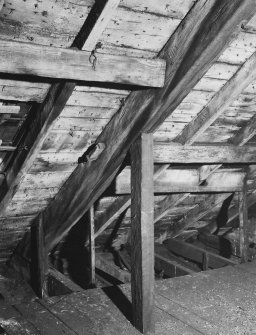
212, 302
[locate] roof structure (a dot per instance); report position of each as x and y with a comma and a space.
82, 80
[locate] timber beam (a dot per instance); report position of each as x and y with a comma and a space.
142, 234
187, 181
204, 154
197, 254
71, 64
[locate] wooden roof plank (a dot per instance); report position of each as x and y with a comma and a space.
217, 105
42, 121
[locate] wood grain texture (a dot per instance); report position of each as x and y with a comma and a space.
92, 244
78, 65
39, 266
203, 154
243, 224
42, 121
194, 37
243, 77
142, 234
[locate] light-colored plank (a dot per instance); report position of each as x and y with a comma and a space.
71, 64
222, 99
203, 154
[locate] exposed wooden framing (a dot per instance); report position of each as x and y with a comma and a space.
197, 213
195, 45
220, 181
43, 61
221, 100
105, 15
7, 148
39, 264
171, 200
194, 253
243, 224
43, 119
9, 109
59, 284
246, 133
204, 154
92, 245
142, 234
103, 221
171, 268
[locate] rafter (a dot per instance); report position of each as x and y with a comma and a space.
195, 45
43, 119
221, 100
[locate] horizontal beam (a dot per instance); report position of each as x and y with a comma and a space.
187, 181
197, 254
43, 61
9, 109
204, 154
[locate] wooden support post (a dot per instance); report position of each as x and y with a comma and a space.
39, 264
243, 224
92, 245
142, 234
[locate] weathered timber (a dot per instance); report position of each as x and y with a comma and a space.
221, 100
71, 64
9, 109
220, 181
59, 284
104, 220
92, 244
142, 234
243, 224
194, 37
7, 148
204, 154
195, 214
194, 253
43, 119
245, 133
39, 260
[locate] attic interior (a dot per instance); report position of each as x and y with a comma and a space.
127, 167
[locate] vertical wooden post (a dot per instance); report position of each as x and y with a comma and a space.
92, 245
243, 224
142, 234
39, 263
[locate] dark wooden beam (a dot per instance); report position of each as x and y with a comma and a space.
204, 154
142, 234
194, 253
195, 45
42, 120
243, 224
39, 260
59, 284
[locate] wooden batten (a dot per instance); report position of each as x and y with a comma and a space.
142, 234
204, 154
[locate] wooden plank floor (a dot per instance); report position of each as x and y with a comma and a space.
220, 301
